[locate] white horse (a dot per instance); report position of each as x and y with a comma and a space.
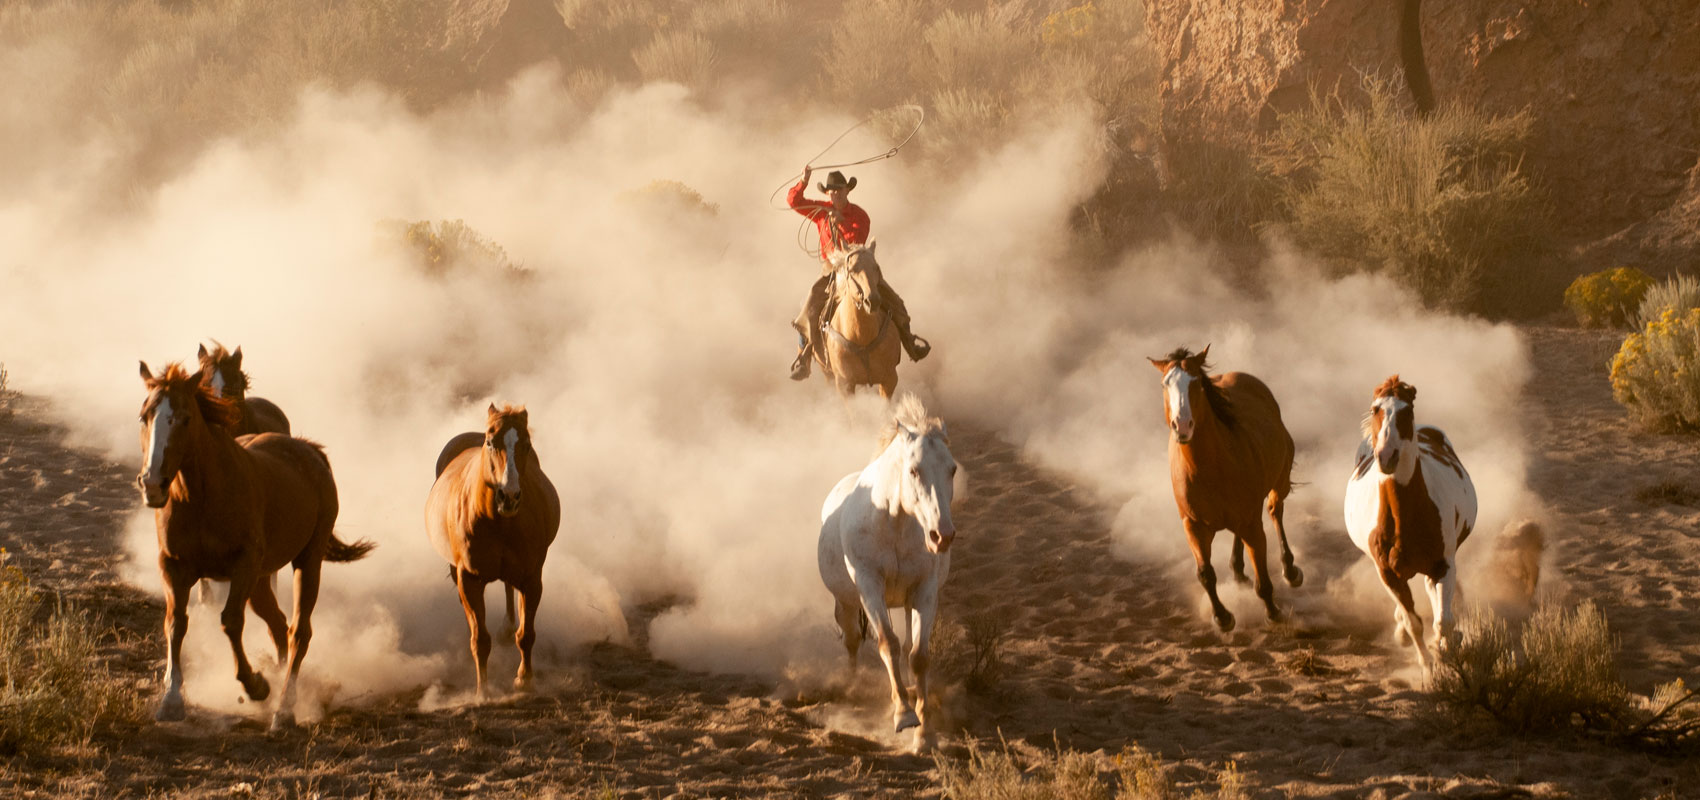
1409, 505
885, 540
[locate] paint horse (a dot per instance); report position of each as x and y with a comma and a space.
492, 515
1409, 505
238, 512
859, 343
222, 370
1230, 456
885, 541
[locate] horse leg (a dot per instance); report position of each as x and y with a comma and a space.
530, 595
471, 589
922, 616
177, 589
1199, 539
1236, 562
263, 600
852, 624
307, 572
1277, 507
873, 601
242, 581
1251, 534
508, 629
1405, 614
1440, 596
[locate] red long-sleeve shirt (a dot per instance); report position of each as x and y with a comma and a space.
852, 222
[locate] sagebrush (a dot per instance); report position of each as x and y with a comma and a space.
1133, 774
1655, 375
1441, 202
1609, 298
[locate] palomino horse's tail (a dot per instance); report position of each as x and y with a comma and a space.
343, 552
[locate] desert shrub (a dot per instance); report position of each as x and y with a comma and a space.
449, 245
869, 58
1558, 673
679, 56
1440, 202
1679, 293
1070, 775
985, 49
671, 197
56, 690
1654, 375
1608, 298
1215, 188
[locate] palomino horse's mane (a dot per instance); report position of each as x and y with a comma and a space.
221, 412
1220, 405
219, 353
1392, 387
910, 414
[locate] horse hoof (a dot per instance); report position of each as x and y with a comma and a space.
907, 720
1295, 576
1225, 622
257, 687
170, 710
282, 721
1241, 578
523, 684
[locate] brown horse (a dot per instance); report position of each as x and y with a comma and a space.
860, 345
492, 514
236, 512
1228, 453
222, 371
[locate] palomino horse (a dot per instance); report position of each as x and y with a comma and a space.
492, 514
1228, 454
222, 370
236, 512
859, 345
885, 540
1409, 505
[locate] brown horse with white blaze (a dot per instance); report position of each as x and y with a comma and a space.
1229, 456
492, 514
236, 511
859, 345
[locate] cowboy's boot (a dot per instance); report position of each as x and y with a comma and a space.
800, 367
915, 346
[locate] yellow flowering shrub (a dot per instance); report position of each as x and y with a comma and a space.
1654, 374
1608, 298
1069, 26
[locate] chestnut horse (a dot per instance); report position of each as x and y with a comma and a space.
492, 515
1229, 454
222, 370
236, 512
859, 344
1409, 505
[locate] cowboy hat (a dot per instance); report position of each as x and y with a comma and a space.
835, 180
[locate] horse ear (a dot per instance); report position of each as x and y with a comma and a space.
147, 374
1162, 365
872, 243
236, 357
201, 352
195, 379
491, 411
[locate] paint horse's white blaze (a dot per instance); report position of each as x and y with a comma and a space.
1177, 384
1409, 505
153, 468
217, 383
884, 545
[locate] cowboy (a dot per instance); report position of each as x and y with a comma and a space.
842, 224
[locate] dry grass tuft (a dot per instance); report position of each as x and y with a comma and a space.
56, 690
1134, 774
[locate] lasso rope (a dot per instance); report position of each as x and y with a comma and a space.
802, 227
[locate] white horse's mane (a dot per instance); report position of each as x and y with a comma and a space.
910, 414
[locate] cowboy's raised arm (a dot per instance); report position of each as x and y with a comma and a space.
799, 203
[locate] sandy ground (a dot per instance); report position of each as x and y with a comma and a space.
1099, 653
